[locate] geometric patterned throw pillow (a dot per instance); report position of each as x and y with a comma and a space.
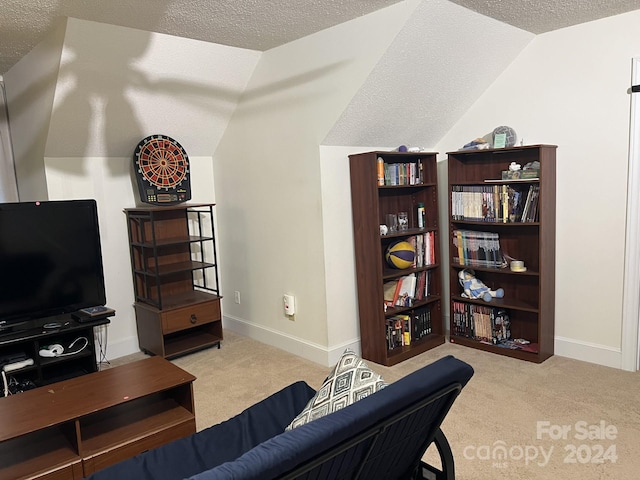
349, 381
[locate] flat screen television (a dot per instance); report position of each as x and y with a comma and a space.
50, 259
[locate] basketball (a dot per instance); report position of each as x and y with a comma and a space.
400, 255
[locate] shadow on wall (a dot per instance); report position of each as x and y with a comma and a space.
93, 115
105, 100
8, 186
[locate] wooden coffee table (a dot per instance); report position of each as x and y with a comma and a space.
73, 428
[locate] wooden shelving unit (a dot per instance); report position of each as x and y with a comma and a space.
175, 277
79, 426
34, 337
529, 296
371, 203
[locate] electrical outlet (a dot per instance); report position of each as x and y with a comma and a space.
236, 297
289, 304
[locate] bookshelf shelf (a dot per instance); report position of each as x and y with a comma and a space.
520, 354
522, 219
499, 271
371, 202
512, 304
417, 304
389, 273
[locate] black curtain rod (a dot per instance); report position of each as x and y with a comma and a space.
635, 88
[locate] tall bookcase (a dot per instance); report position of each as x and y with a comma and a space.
415, 183
487, 212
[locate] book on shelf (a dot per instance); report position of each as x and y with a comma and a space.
494, 203
407, 291
419, 239
404, 329
423, 286
409, 173
478, 249
401, 331
530, 211
391, 290
421, 323
479, 322
413, 241
425, 247
395, 332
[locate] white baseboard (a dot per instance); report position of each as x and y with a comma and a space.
588, 352
311, 351
117, 349
328, 356
584, 351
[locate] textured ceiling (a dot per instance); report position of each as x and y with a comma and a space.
260, 24
539, 16
252, 24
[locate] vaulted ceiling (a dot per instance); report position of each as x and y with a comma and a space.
258, 24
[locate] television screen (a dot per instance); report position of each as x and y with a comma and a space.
50, 259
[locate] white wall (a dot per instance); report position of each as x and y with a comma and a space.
102, 103
117, 85
268, 181
342, 297
569, 88
30, 88
444, 57
8, 185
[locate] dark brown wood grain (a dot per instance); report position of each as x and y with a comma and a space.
95, 420
173, 316
529, 296
370, 203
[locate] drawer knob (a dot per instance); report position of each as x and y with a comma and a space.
193, 318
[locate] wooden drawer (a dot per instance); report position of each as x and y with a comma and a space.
70, 472
190, 316
65, 472
136, 446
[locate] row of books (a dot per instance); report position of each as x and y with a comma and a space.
404, 329
478, 249
402, 173
404, 291
425, 247
495, 203
485, 324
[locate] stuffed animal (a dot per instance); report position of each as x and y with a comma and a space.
474, 288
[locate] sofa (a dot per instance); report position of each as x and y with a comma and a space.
380, 434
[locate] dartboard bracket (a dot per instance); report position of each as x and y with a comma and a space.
162, 172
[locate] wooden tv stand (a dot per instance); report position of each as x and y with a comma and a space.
70, 429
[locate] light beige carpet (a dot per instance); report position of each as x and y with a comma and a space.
562, 419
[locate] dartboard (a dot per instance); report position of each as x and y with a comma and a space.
162, 170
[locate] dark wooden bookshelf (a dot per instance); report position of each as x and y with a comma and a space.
371, 203
529, 296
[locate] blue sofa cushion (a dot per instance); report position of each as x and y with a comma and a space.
217, 444
284, 452
349, 381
